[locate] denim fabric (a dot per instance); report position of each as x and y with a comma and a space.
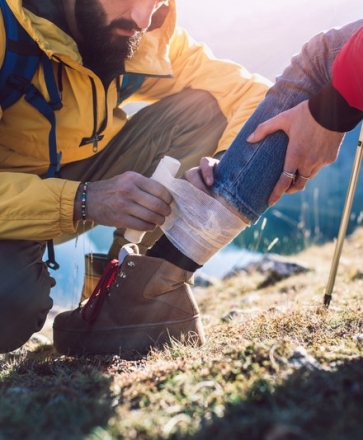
247, 173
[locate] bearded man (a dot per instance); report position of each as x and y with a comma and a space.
89, 161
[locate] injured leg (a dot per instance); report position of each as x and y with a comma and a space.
198, 226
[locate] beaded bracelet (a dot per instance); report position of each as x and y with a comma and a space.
84, 200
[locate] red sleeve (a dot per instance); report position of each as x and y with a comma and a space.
347, 75
338, 106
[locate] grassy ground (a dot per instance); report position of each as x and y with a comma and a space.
277, 366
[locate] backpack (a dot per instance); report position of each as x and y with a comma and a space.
22, 57
21, 60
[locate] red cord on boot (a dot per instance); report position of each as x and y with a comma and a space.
101, 290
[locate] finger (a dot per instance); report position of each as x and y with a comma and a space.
130, 215
153, 206
154, 189
129, 221
150, 216
194, 176
265, 128
150, 195
282, 185
207, 165
303, 176
141, 215
300, 182
314, 170
298, 185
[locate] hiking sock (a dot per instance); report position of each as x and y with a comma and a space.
163, 248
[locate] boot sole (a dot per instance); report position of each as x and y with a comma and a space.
130, 338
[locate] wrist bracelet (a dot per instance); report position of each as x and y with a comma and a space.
84, 200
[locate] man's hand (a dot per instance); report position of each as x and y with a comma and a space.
310, 147
129, 200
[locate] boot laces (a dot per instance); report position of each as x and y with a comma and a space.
100, 292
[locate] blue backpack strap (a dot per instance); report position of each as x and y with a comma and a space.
34, 98
21, 60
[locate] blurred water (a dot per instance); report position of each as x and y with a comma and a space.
311, 216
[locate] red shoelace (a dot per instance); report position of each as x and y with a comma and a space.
101, 290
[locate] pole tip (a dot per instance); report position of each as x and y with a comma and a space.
327, 299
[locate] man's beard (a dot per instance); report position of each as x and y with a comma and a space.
102, 50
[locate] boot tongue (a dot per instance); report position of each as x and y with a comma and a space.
128, 249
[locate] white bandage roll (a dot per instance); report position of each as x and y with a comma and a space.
166, 165
199, 225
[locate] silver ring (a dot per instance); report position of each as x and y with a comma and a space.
304, 177
289, 175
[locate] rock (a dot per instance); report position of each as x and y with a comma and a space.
232, 314
359, 339
203, 280
274, 268
282, 268
301, 358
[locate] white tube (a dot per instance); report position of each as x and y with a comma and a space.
167, 163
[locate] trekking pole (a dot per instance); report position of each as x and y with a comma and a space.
345, 219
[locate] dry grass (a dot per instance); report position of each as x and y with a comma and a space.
277, 366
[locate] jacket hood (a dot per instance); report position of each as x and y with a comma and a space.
151, 58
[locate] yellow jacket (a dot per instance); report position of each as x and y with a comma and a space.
39, 209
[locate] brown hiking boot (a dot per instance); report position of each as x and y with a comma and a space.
144, 302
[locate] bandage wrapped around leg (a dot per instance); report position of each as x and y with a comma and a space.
199, 226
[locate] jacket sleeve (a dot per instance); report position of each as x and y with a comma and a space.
339, 105
348, 71
237, 91
35, 209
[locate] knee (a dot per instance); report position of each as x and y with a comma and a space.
202, 107
25, 301
22, 315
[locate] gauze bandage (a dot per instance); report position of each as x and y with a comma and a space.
199, 226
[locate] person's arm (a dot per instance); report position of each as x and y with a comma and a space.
36, 209
316, 126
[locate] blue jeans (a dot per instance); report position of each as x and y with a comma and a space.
247, 173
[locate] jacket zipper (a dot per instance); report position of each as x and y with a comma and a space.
96, 136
